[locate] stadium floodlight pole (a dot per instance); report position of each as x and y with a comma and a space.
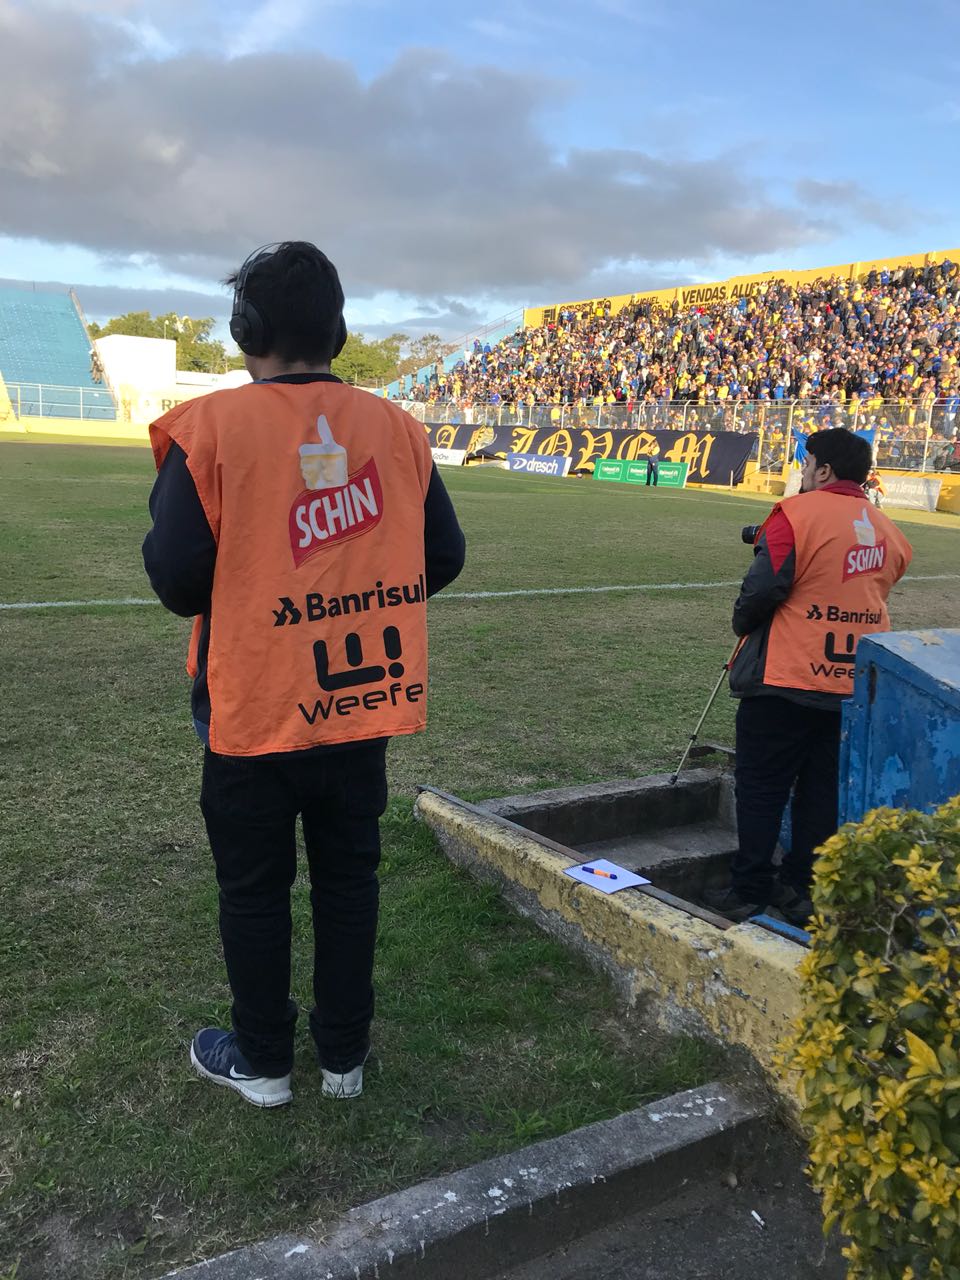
706, 712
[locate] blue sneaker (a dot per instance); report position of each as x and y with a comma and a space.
216, 1056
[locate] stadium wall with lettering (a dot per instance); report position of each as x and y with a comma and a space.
713, 457
690, 295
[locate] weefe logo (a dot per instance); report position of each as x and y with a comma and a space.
334, 506
868, 555
354, 675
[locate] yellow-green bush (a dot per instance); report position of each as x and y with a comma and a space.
876, 1045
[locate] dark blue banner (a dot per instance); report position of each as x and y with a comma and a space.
713, 457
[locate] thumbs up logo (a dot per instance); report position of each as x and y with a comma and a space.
869, 554
323, 465
864, 530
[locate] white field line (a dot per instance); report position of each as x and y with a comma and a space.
75, 604
467, 595
582, 591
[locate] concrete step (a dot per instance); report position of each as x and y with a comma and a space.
643, 851
684, 860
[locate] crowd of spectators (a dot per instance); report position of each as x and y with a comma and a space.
883, 350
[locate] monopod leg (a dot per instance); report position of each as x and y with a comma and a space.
706, 711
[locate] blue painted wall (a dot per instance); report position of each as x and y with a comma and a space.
901, 729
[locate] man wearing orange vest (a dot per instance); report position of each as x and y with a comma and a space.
824, 563
302, 523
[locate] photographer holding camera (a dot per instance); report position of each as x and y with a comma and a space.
824, 563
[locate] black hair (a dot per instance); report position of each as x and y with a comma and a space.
849, 455
297, 291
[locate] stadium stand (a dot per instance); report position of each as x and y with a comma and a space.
880, 351
403, 387
45, 357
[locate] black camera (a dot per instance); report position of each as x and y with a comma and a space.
748, 533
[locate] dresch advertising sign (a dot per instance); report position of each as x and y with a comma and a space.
539, 464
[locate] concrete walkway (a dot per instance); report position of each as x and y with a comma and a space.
708, 1232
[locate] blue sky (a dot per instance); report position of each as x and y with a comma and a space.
460, 162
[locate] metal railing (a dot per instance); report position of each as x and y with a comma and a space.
910, 436
905, 453
42, 400
940, 417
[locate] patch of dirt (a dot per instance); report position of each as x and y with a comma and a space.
57, 1250
92, 1245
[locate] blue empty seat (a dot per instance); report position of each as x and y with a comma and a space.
45, 357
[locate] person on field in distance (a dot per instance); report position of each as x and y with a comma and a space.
824, 563
303, 525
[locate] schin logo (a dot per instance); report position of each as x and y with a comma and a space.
318, 520
869, 554
334, 506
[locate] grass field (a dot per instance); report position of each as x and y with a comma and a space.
114, 1159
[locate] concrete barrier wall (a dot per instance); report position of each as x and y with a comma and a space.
740, 984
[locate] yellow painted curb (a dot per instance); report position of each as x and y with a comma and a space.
75, 431
741, 984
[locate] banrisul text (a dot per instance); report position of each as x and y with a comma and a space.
315, 606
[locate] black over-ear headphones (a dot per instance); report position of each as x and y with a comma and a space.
248, 327
341, 338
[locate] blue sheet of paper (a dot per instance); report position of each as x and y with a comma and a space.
616, 878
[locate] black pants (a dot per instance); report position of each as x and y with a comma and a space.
781, 744
251, 806
653, 471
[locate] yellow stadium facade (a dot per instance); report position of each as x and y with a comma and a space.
692, 295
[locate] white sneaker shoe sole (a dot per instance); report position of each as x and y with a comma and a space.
347, 1085
262, 1091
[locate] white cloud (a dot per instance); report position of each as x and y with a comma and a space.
890, 213
432, 180
268, 27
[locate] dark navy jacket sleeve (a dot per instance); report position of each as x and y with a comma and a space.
769, 579
443, 541
179, 552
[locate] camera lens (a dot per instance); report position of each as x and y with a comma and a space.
749, 533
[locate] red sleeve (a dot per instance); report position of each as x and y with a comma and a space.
778, 532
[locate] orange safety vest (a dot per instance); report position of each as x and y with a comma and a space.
848, 556
314, 494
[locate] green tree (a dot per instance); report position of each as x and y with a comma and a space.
424, 351
369, 364
196, 351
